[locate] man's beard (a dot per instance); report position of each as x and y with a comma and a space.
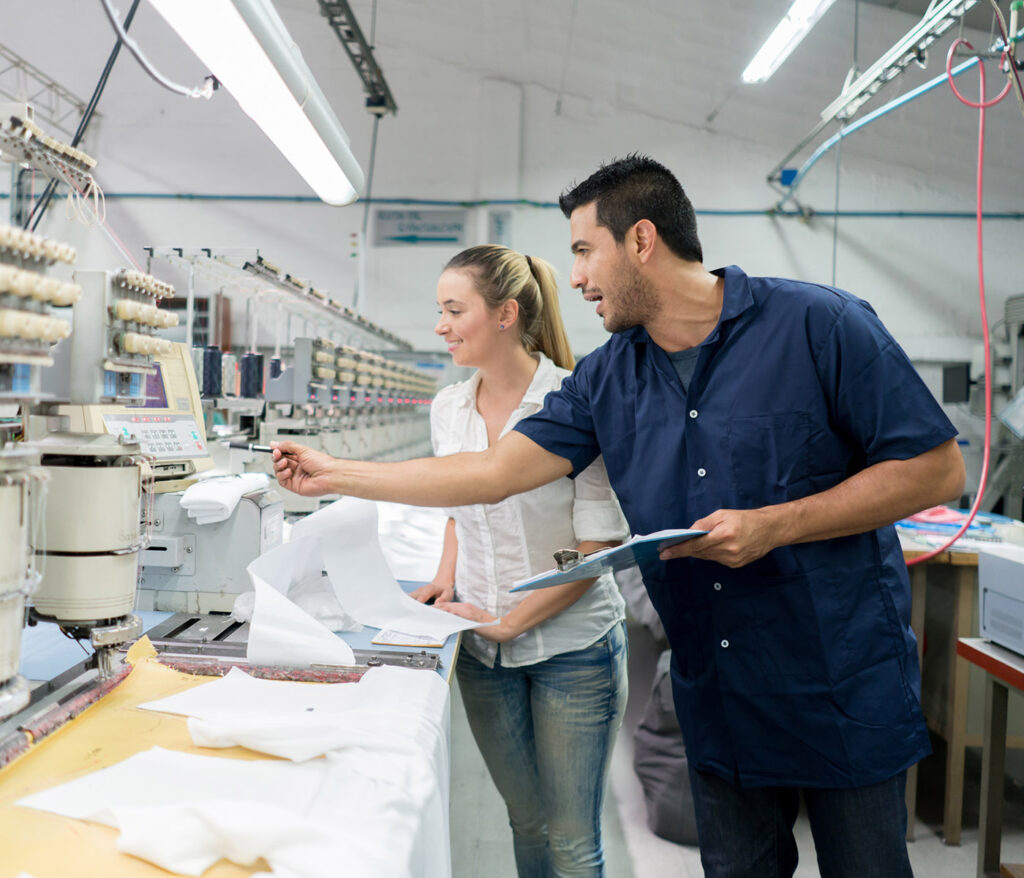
634, 299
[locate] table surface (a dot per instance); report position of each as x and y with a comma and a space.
46, 844
1001, 663
959, 556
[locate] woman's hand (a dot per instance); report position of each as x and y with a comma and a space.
433, 591
498, 633
301, 469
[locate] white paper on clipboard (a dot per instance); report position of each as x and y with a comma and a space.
636, 549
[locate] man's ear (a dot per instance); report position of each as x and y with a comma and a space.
645, 233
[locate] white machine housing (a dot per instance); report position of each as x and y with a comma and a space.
92, 527
19, 509
201, 568
1001, 600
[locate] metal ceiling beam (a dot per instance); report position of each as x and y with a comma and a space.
342, 20
941, 16
20, 81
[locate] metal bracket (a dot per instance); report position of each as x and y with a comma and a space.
566, 559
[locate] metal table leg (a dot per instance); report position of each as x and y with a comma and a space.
993, 762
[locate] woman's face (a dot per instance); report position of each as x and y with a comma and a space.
468, 326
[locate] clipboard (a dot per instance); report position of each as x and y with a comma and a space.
639, 548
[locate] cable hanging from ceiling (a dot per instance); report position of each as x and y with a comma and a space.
981, 106
205, 91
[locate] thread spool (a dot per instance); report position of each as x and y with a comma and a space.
275, 367
197, 365
211, 372
251, 369
229, 374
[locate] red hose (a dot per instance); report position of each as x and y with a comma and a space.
980, 106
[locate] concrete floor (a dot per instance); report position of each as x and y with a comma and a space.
482, 841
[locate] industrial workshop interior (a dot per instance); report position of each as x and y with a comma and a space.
495, 438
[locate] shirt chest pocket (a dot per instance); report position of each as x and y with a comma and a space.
769, 456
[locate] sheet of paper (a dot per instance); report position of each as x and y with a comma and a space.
397, 638
346, 531
293, 562
280, 634
295, 569
411, 538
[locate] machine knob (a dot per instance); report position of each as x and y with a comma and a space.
55, 329
11, 322
47, 289
68, 294
33, 326
168, 319
24, 283
127, 309
133, 343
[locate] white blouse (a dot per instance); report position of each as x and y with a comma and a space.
516, 538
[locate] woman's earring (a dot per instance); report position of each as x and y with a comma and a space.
501, 326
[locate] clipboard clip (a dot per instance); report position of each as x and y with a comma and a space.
566, 559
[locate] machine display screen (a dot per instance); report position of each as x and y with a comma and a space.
156, 396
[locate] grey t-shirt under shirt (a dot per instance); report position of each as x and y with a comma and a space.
684, 363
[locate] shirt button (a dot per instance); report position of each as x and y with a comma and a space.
718, 586
702, 472
693, 413
725, 644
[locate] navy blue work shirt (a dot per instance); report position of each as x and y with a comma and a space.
799, 669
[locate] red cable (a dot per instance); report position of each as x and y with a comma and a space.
981, 106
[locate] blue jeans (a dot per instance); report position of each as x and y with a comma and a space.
749, 832
546, 733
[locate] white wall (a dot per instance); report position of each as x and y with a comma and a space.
478, 84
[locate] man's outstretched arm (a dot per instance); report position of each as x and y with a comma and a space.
513, 465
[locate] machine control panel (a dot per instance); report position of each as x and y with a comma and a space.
166, 437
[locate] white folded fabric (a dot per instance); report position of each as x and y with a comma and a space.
213, 500
375, 807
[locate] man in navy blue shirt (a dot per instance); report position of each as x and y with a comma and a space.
782, 418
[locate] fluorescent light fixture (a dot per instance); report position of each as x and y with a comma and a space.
796, 23
246, 46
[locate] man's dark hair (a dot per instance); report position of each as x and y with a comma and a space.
635, 188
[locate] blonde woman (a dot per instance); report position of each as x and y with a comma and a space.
544, 687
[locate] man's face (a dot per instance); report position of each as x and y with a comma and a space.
604, 273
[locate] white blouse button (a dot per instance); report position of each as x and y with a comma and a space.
702, 472
693, 413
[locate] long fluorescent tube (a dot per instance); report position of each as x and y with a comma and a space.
246, 46
796, 23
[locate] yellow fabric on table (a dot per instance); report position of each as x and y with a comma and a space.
49, 846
